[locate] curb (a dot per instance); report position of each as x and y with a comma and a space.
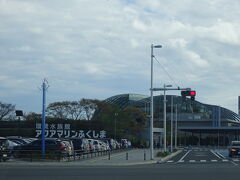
162, 160
5, 165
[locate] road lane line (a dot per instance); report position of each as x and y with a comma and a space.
225, 160
234, 163
235, 160
215, 154
169, 161
184, 155
213, 160
191, 161
203, 160
221, 155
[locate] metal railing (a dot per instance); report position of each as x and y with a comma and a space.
56, 155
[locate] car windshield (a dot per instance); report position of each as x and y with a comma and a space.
236, 144
3, 142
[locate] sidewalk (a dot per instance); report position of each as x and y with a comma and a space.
125, 158
131, 157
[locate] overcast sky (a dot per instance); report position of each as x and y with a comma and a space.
96, 49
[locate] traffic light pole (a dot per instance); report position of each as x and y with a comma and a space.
172, 124
176, 126
164, 113
164, 118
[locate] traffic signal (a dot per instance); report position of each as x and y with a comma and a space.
192, 94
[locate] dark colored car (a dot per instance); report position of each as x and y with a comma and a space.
80, 145
4, 152
234, 149
52, 146
18, 140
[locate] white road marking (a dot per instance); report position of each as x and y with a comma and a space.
203, 160
213, 160
234, 163
170, 161
184, 155
215, 154
192, 161
236, 160
220, 155
181, 161
225, 160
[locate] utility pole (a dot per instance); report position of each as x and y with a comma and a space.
151, 120
171, 123
44, 88
115, 125
151, 113
176, 118
164, 119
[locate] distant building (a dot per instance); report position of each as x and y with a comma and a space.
198, 123
239, 105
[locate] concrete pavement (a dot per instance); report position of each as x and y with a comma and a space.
124, 158
190, 171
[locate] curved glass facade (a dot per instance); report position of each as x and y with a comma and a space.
188, 110
193, 117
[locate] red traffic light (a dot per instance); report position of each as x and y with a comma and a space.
192, 93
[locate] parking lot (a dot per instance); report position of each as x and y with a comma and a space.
30, 149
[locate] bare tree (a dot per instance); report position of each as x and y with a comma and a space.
6, 110
75, 110
58, 110
89, 107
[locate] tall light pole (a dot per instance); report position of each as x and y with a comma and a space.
44, 88
165, 116
176, 118
115, 125
151, 120
172, 123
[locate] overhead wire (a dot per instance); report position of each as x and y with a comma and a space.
170, 77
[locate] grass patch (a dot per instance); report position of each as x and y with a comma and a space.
162, 154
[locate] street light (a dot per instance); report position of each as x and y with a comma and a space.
151, 120
176, 117
172, 123
164, 116
115, 126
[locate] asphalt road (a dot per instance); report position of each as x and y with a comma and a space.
202, 155
187, 165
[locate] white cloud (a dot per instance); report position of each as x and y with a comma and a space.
79, 45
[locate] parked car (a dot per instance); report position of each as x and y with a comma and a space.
103, 145
234, 149
113, 144
18, 140
52, 146
6, 147
9, 144
97, 145
69, 146
124, 143
91, 145
80, 145
118, 145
